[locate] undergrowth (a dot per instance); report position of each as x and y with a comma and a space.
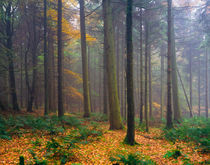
195, 130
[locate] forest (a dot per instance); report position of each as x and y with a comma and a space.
104, 82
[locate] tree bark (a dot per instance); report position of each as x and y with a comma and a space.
169, 123
9, 33
46, 96
162, 81
175, 89
141, 68
60, 61
206, 75
114, 105
86, 92
146, 75
130, 137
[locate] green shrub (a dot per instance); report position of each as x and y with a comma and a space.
173, 154
99, 117
131, 159
196, 130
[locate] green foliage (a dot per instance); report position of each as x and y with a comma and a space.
196, 130
21, 160
99, 117
173, 154
131, 159
36, 160
53, 125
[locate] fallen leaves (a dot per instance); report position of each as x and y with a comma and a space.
99, 151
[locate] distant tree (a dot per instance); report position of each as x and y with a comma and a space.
46, 107
169, 123
60, 61
114, 105
86, 90
130, 137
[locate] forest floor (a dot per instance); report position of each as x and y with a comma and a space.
99, 149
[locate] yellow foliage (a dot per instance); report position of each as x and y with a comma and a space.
74, 93
74, 75
156, 105
67, 28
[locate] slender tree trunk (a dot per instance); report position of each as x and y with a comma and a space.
114, 105
141, 67
130, 137
199, 88
86, 91
46, 97
150, 82
206, 92
175, 89
60, 61
169, 123
9, 33
162, 81
89, 70
190, 79
105, 96
146, 74
21, 78
34, 63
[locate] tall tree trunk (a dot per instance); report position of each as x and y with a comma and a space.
169, 123
89, 71
206, 92
86, 92
199, 86
141, 67
146, 74
114, 105
21, 78
190, 79
175, 89
60, 61
162, 81
46, 96
130, 137
51, 73
105, 96
34, 62
150, 81
9, 33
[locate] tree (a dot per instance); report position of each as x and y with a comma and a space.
141, 67
130, 137
46, 107
9, 25
146, 73
114, 105
169, 123
175, 89
60, 61
86, 91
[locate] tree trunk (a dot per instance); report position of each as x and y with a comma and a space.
9, 33
141, 68
206, 97
190, 79
130, 137
114, 105
34, 63
150, 81
199, 86
146, 75
46, 96
162, 81
60, 61
175, 89
169, 123
86, 92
